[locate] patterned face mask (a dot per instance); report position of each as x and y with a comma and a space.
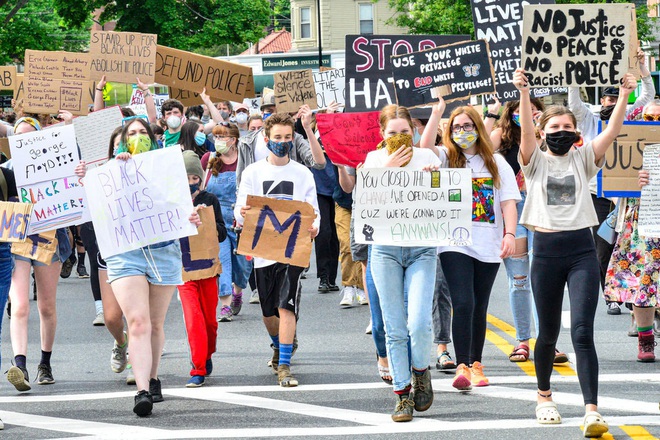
138, 143
465, 139
395, 142
279, 149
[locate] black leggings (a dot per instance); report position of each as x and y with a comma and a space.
89, 239
560, 258
470, 282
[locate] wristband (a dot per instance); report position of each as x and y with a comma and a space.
99, 90
490, 115
511, 234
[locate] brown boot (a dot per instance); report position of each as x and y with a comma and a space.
646, 344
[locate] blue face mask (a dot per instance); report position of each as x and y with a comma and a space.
194, 188
516, 119
416, 137
279, 149
266, 115
200, 138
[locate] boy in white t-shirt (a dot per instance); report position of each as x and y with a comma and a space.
278, 284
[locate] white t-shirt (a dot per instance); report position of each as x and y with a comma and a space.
260, 149
487, 219
421, 158
558, 196
292, 181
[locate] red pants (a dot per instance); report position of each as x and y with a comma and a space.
199, 300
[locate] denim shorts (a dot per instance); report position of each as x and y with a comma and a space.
56, 258
160, 263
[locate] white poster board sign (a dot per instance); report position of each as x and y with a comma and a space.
141, 201
44, 165
648, 221
93, 134
253, 104
400, 207
330, 86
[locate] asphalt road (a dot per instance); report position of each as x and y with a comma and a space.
340, 394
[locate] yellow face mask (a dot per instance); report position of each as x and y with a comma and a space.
395, 142
139, 143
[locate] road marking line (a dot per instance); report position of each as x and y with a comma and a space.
506, 348
637, 433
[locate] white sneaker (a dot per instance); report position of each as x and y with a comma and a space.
348, 299
118, 360
130, 377
99, 320
254, 298
361, 296
369, 331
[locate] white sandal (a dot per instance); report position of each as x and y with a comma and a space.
547, 414
594, 425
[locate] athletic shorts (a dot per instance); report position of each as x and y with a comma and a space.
279, 287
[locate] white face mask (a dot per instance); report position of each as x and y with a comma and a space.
241, 118
173, 122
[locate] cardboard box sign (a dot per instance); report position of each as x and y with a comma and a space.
277, 230
7, 77
189, 71
123, 56
15, 221
200, 252
577, 45
294, 89
41, 247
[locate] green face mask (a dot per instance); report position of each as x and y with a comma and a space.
138, 143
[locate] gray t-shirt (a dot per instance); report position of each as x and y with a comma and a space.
558, 196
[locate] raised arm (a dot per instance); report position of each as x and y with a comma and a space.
99, 104
346, 181
492, 115
305, 115
431, 129
527, 136
213, 110
603, 141
148, 101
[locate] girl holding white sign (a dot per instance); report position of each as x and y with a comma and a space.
560, 212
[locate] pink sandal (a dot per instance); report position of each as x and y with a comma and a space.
520, 353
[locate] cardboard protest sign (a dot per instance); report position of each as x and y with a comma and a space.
401, 207
277, 230
44, 167
330, 85
93, 134
7, 77
294, 89
4, 147
38, 247
187, 97
19, 86
189, 71
15, 218
123, 56
57, 81
140, 201
499, 24
200, 252
576, 45
648, 221
348, 137
464, 67
138, 105
624, 158
369, 84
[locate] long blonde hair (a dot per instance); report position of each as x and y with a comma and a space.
394, 111
483, 145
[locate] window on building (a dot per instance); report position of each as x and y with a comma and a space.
366, 18
305, 23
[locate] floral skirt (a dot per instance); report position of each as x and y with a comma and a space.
634, 269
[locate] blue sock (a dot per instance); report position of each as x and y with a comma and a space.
285, 354
276, 341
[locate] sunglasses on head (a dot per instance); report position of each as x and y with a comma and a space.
131, 118
649, 118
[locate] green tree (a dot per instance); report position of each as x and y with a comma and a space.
282, 14
455, 16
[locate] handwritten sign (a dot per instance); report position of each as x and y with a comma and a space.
57, 81
19, 86
38, 247
4, 147
200, 252
141, 201
7, 77
188, 98
294, 89
624, 158
137, 103
330, 85
189, 71
576, 45
123, 56
649, 207
14, 221
253, 104
464, 67
369, 83
277, 230
401, 207
93, 134
348, 137
499, 24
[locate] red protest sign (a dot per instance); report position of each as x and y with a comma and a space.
348, 137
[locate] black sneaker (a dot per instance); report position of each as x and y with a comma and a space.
324, 286
333, 287
82, 272
9, 309
404, 409
18, 377
155, 390
67, 267
423, 391
613, 309
44, 375
143, 403
209, 367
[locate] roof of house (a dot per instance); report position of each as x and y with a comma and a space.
275, 42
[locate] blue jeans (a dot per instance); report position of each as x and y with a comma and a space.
6, 268
235, 268
377, 324
441, 308
395, 270
520, 289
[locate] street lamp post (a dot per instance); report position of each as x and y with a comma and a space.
318, 18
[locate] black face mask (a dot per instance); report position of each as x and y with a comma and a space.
560, 142
606, 112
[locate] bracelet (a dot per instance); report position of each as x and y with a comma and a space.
99, 90
511, 234
491, 115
